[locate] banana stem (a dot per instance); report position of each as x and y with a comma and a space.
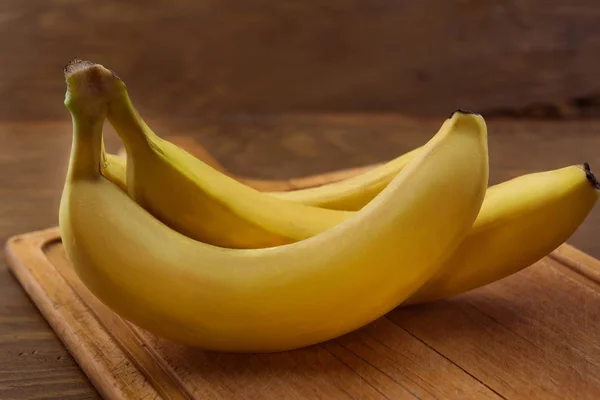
84, 162
590, 176
84, 100
93, 84
127, 122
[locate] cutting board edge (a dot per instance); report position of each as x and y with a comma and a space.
77, 346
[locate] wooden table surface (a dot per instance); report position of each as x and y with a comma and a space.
33, 362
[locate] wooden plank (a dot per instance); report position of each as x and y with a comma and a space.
193, 58
534, 335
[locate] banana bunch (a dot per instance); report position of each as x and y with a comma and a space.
193, 255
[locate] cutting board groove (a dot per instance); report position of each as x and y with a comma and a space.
534, 335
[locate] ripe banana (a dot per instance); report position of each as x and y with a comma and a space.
116, 164
201, 202
114, 168
350, 194
272, 299
194, 198
520, 222
353, 193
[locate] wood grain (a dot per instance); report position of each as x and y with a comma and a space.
421, 58
490, 343
33, 362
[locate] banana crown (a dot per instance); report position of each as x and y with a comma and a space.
265, 299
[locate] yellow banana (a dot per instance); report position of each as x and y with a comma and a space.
199, 201
520, 222
350, 194
279, 298
353, 193
114, 168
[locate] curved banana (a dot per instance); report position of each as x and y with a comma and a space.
521, 221
195, 199
353, 193
114, 168
350, 194
279, 298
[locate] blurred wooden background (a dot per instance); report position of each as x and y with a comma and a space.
187, 61
188, 58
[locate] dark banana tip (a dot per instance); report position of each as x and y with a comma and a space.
590, 176
76, 65
462, 111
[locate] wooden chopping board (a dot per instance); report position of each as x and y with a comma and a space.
534, 335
